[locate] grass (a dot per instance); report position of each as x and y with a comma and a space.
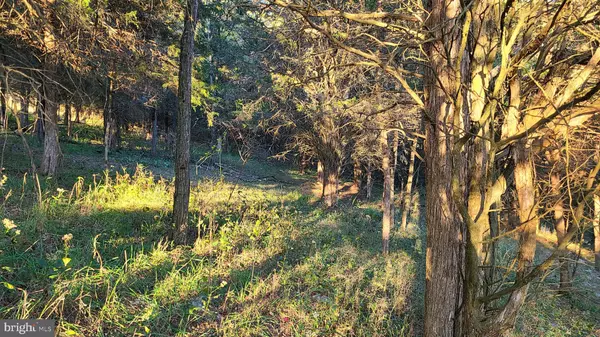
268, 261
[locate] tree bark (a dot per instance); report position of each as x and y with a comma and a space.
357, 177
408, 187
369, 186
78, 112
388, 190
331, 171
68, 118
51, 156
155, 132
39, 123
446, 230
182, 149
561, 227
597, 232
24, 114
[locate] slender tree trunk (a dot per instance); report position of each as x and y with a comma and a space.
68, 118
78, 112
357, 177
3, 98
24, 114
369, 187
321, 178
560, 225
408, 186
331, 177
394, 165
108, 120
388, 191
597, 232
51, 156
182, 149
39, 124
155, 132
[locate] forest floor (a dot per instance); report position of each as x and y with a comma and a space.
269, 260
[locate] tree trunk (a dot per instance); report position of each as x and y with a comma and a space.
155, 132
68, 118
597, 232
51, 154
182, 149
321, 178
3, 98
388, 191
331, 172
78, 112
40, 107
369, 186
408, 187
109, 119
446, 230
24, 114
357, 177
560, 225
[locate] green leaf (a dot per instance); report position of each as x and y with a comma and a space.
66, 260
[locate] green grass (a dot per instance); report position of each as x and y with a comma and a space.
268, 261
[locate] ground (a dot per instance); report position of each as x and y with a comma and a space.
269, 261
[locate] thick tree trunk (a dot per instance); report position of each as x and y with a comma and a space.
388, 190
446, 230
408, 187
182, 149
51, 156
560, 225
597, 232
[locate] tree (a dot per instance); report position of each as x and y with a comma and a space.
477, 81
182, 149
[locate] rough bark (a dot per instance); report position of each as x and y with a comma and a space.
182, 149
388, 190
444, 267
408, 187
51, 156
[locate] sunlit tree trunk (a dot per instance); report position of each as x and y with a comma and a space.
408, 187
331, 179
51, 156
560, 225
388, 190
182, 148
369, 183
444, 268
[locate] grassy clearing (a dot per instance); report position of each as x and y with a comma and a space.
268, 262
